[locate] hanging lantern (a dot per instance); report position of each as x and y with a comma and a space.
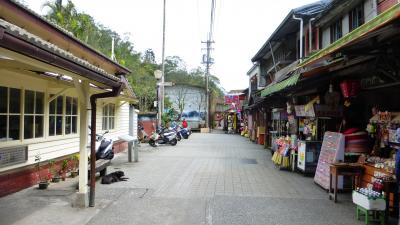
350, 88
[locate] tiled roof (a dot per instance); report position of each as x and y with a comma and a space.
64, 31
128, 87
39, 42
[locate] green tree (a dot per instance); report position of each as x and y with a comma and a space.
99, 37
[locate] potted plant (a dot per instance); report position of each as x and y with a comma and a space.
64, 169
43, 181
74, 165
55, 176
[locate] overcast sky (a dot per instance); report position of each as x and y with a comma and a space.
241, 28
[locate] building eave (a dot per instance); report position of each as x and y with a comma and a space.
305, 11
22, 42
12, 10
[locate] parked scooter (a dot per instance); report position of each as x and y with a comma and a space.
186, 132
181, 132
104, 147
178, 131
163, 136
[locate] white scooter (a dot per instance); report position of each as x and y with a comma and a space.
104, 147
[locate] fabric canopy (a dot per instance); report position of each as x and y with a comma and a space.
281, 85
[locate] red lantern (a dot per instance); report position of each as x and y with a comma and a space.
350, 88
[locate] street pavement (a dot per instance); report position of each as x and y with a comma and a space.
210, 179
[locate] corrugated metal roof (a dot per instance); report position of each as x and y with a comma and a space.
312, 9
306, 11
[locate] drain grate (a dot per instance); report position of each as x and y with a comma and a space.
248, 161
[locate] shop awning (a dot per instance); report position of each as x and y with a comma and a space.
281, 85
356, 34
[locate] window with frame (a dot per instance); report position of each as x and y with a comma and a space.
10, 113
356, 17
71, 115
56, 116
33, 114
336, 30
108, 116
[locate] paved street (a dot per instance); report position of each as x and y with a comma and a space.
208, 179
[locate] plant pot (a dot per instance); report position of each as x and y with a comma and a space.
55, 179
43, 185
74, 174
63, 176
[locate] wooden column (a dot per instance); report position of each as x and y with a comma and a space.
83, 93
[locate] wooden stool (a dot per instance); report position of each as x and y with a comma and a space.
370, 215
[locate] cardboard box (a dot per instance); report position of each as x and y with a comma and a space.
205, 130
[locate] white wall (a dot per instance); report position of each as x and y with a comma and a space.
121, 118
345, 24
370, 10
195, 98
50, 147
326, 37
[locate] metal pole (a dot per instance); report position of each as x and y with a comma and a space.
301, 37
130, 144
207, 91
158, 106
136, 151
115, 92
92, 154
163, 64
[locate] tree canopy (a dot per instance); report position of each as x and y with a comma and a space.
142, 65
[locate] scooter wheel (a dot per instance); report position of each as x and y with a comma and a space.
178, 138
152, 143
173, 142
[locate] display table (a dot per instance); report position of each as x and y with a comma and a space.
353, 170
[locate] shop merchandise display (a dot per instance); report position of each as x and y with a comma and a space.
369, 199
384, 127
370, 193
281, 155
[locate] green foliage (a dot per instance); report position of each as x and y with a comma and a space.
52, 167
84, 27
168, 116
167, 102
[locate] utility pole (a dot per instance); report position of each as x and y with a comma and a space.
208, 61
163, 64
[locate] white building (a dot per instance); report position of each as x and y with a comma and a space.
46, 79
